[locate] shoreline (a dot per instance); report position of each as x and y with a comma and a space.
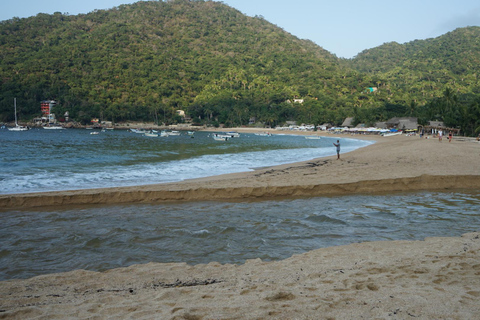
436, 278
391, 164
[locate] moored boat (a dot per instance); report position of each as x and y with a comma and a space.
54, 127
17, 126
233, 134
263, 134
222, 135
142, 131
218, 137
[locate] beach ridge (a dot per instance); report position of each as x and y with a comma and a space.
131, 195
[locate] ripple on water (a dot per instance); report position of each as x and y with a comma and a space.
106, 237
321, 219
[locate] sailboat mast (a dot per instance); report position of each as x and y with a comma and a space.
15, 104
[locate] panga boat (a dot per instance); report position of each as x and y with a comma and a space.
233, 134
151, 134
138, 130
220, 137
313, 137
388, 134
53, 127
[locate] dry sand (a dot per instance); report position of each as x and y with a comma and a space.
438, 278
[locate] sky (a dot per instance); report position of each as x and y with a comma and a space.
343, 27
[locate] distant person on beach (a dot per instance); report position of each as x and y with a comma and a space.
450, 136
338, 148
440, 134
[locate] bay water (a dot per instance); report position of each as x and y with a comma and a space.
48, 240
51, 160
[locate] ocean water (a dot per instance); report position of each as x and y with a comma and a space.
35, 242
50, 160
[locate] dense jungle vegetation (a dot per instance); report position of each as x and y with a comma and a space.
146, 60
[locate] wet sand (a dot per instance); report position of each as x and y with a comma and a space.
433, 279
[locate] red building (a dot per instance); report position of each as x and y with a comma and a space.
47, 106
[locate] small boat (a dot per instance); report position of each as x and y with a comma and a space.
219, 137
313, 137
222, 135
138, 131
151, 134
53, 127
17, 127
388, 134
95, 132
263, 134
233, 134
174, 133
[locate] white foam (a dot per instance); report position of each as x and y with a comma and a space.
161, 172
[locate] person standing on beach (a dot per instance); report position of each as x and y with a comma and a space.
450, 136
338, 148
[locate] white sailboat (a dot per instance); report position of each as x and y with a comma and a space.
17, 127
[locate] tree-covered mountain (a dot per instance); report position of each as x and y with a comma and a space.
424, 67
456, 51
137, 60
421, 75
146, 60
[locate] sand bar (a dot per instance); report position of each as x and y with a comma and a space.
438, 278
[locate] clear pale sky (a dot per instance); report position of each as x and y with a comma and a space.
343, 27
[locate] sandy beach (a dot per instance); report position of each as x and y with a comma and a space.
433, 279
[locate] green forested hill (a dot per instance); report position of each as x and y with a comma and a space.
146, 60
423, 68
456, 51
434, 79
136, 60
